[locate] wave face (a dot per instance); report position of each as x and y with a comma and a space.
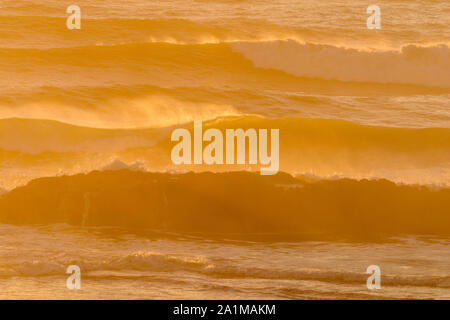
200, 203
324, 148
47, 31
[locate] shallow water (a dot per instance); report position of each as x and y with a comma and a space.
349, 102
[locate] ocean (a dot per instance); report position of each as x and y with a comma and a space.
121, 265
364, 122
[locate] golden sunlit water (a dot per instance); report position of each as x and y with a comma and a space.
86, 175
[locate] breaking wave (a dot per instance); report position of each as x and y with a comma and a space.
318, 147
411, 65
231, 205
143, 263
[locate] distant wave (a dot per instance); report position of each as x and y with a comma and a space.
415, 65
106, 28
320, 147
142, 261
159, 106
23, 7
300, 133
236, 205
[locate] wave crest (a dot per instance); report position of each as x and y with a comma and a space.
411, 65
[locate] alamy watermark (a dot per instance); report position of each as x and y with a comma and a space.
213, 153
74, 20
374, 20
73, 282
